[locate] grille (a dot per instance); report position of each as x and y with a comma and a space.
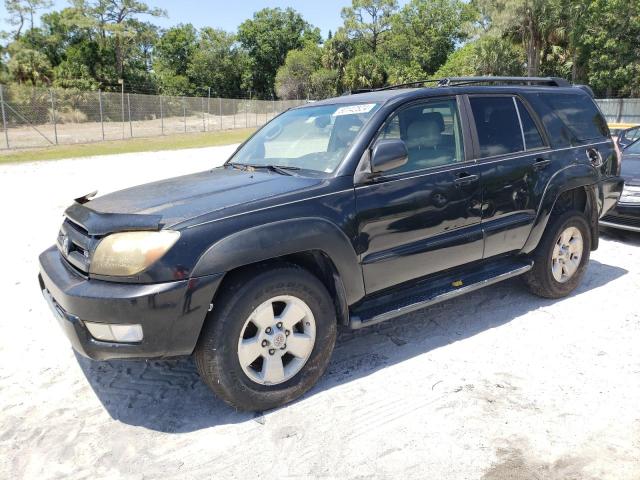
76, 245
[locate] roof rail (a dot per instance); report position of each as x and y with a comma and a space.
459, 81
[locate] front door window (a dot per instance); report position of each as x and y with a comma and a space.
432, 133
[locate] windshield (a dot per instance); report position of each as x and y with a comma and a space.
312, 138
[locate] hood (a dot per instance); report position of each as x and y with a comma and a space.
175, 200
631, 169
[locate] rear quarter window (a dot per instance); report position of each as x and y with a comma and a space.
581, 119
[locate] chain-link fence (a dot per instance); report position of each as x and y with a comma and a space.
37, 117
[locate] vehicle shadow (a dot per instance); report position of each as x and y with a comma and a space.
632, 238
168, 395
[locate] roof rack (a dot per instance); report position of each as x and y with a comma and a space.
459, 81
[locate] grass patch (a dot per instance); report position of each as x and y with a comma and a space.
168, 142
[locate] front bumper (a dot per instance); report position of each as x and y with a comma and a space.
624, 216
171, 314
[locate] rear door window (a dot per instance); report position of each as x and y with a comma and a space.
579, 115
497, 125
532, 137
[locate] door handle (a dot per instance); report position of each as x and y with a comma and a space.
465, 179
541, 163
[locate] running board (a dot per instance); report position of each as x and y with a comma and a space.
426, 293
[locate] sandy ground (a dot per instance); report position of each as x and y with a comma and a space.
496, 385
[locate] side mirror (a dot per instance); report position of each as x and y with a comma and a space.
387, 155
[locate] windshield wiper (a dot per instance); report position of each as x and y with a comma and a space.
281, 169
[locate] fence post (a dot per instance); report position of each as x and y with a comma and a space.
122, 102
620, 108
246, 115
220, 108
184, 111
53, 114
4, 117
129, 109
161, 117
204, 125
101, 114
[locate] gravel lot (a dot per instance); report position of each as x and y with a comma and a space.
496, 385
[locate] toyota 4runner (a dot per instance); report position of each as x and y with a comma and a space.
348, 211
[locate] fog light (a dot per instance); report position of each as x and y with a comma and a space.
115, 332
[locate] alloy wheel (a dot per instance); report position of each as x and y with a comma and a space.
567, 254
277, 340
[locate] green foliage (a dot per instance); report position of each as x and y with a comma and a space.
486, 56
534, 24
22, 12
302, 75
336, 53
324, 83
368, 22
424, 33
219, 63
365, 71
173, 52
293, 79
268, 37
608, 46
29, 66
93, 43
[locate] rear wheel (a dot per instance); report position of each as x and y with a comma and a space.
562, 256
270, 338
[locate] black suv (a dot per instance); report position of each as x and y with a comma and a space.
349, 211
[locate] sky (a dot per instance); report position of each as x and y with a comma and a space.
227, 15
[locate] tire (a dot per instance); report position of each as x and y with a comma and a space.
541, 279
261, 385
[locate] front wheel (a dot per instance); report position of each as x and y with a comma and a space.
268, 339
562, 256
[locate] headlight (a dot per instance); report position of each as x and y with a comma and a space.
630, 194
128, 253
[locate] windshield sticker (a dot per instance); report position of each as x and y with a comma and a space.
354, 109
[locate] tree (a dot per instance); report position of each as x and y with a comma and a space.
29, 66
368, 22
116, 19
172, 57
324, 83
336, 53
607, 46
20, 10
365, 71
268, 37
533, 23
219, 63
487, 56
424, 33
293, 79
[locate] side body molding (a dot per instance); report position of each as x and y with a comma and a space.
286, 237
567, 178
